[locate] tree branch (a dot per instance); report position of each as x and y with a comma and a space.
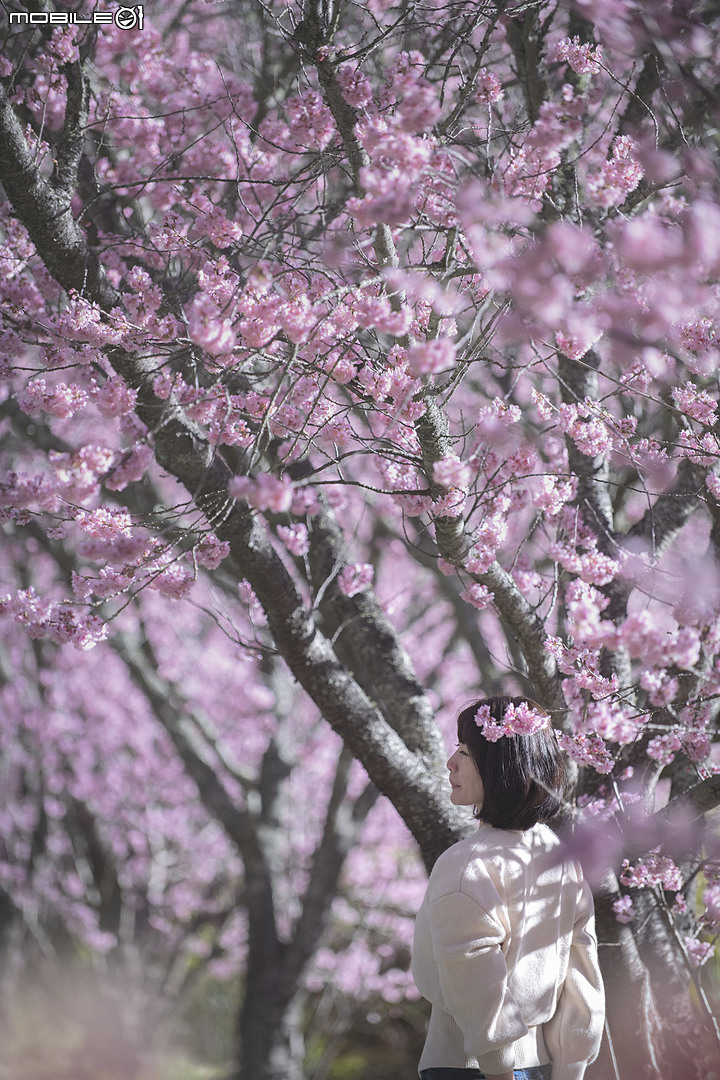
343, 824
182, 449
366, 641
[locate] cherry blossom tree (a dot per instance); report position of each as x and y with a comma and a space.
290, 284
109, 852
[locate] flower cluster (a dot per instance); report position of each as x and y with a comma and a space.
654, 870
623, 908
210, 551
587, 748
356, 87
430, 357
60, 622
488, 87
450, 471
354, 579
519, 719
265, 491
695, 403
583, 58
478, 595
699, 951
616, 178
295, 538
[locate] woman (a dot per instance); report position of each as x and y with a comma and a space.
505, 948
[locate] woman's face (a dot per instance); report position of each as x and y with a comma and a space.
467, 787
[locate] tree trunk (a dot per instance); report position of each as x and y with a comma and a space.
632, 1049
272, 1045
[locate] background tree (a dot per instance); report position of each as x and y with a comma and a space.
287, 284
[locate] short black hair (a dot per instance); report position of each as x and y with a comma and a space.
524, 777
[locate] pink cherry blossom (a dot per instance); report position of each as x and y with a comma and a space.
209, 328
356, 88
450, 471
478, 595
582, 58
295, 538
265, 491
488, 86
616, 178
695, 403
523, 719
623, 908
699, 951
114, 397
353, 579
210, 552
430, 357
426, 303
61, 400
105, 523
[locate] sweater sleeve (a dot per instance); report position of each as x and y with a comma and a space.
574, 1032
467, 943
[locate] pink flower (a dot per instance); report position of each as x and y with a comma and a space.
523, 719
582, 58
429, 357
654, 869
616, 178
480, 558
587, 748
493, 418
517, 720
213, 222
489, 89
59, 622
129, 467
661, 689
482, 716
173, 582
521, 462
62, 400
450, 471
623, 908
695, 403
353, 579
414, 505
63, 45
664, 747
247, 596
356, 87
210, 552
310, 121
105, 524
491, 729
699, 951
478, 595
696, 744
575, 346
450, 505
114, 397
597, 569
208, 328
265, 492
295, 538
272, 493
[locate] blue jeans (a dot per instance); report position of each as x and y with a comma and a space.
534, 1072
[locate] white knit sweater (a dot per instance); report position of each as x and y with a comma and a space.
505, 951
